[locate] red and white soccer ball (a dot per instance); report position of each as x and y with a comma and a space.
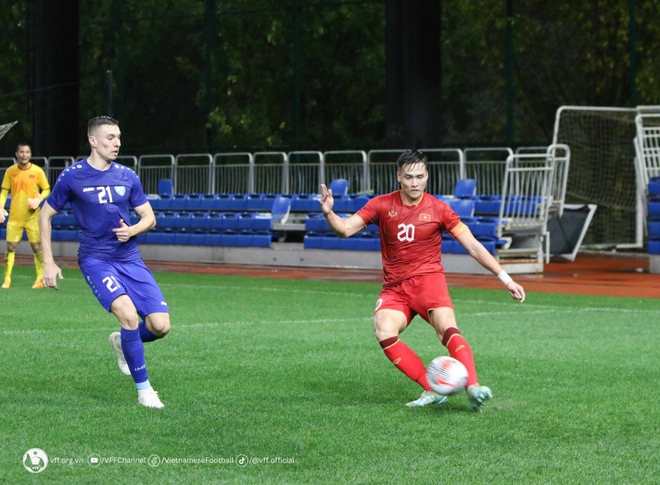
446, 375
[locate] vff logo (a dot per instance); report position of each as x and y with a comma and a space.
35, 460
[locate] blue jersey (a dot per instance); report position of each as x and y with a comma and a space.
99, 199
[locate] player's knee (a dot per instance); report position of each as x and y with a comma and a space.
385, 328
160, 326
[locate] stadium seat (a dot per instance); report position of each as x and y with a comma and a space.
339, 187
465, 189
487, 205
255, 202
654, 186
280, 209
165, 188
238, 202
305, 203
463, 207
313, 240
358, 202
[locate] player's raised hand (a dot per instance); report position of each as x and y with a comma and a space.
51, 273
122, 231
327, 201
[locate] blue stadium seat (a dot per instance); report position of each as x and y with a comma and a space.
463, 207
281, 209
255, 202
178, 202
465, 189
238, 202
246, 220
487, 204
222, 202
343, 203
330, 241
262, 222
339, 187
316, 222
165, 220
182, 220
313, 240
367, 242
654, 186
230, 238
229, 221
165, 188
206, 202
193, 202
654, 229
654, 207
484, 226
261, 239
198, 238
199, 221
357, 202
654, 246
305, 203
214, 221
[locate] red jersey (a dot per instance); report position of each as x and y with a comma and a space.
410, 235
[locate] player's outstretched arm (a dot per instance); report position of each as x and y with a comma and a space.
485, 259
51, 271
340, 226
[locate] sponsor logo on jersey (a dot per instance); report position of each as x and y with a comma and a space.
88, 189
425, 217
120, 189
392, 214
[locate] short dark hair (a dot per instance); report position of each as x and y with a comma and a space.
100, 121
18, 147
411, 157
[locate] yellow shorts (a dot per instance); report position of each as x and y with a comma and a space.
15, 230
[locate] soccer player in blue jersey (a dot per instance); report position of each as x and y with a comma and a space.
101, 192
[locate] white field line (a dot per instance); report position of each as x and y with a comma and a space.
533, 310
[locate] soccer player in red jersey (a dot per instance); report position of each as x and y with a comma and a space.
411, 223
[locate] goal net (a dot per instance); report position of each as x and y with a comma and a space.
602, 171
5, 128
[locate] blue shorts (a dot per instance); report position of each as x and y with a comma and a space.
109, 280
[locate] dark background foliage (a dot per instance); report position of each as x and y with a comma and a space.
215, 76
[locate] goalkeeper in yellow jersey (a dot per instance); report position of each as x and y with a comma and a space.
29, 186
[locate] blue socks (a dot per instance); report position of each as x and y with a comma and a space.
145, 333
133, 348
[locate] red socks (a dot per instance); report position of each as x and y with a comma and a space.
411, 365
460, 350
405, 360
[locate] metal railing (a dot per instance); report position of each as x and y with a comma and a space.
302, 172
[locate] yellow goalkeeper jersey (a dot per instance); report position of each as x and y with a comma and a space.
23, 185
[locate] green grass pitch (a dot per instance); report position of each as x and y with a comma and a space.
281, 381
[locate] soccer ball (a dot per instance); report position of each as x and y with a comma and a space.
446, 375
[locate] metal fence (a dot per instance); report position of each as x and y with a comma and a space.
302, 172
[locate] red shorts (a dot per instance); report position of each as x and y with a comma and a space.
416, 296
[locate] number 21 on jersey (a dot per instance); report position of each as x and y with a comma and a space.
105, 195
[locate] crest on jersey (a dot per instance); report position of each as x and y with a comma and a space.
392, 214
120, 189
